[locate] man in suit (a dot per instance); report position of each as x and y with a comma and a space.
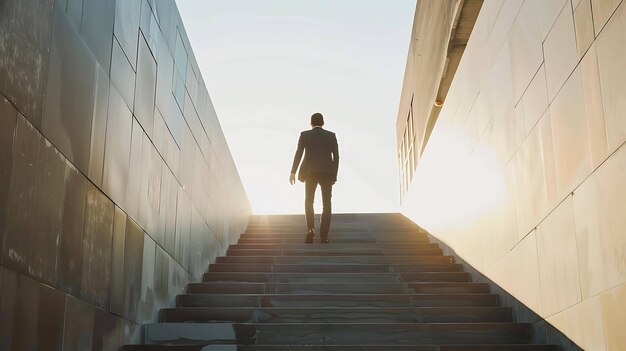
320, 165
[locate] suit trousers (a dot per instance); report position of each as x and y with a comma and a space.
325, 181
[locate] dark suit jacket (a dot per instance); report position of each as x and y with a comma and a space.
321, 154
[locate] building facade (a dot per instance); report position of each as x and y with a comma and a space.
523, 173
117, 186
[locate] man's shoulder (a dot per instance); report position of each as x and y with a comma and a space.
317, 131
329, 132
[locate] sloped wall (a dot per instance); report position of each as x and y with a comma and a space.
117, 186
525, 172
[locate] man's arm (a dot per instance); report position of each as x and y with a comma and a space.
335, 155
298, 156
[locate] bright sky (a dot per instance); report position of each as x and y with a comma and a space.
270, 64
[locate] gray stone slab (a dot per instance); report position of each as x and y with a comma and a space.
149, 26
148, 308
183, 228
107, 331
70, 92
78, 325
97, 241
145, 87
337, 334
354, 236
171, 224
161, 276
328, 278
335, 246
337, 315
70, 257
117, 262
134, 171
99, 126
165, 71
126, 28
180, 70
336, 252
25, 27
133, 261
167, 210
36, 192
326, 268
117, 149
123, 74
73, 11
198, 245
31, 314
8, 122
214, 347
343, 288
408, 259
337, 300
97, 29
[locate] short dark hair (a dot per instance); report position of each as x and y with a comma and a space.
317, 120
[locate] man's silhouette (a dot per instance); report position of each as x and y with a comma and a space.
320, 165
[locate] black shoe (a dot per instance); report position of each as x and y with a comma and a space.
309, 236
324, 241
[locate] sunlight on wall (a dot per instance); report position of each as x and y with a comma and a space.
479, 191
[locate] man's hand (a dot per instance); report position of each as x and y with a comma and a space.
292, 179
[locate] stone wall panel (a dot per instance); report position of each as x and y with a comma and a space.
106, 194
563, 187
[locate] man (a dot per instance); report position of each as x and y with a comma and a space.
320, 165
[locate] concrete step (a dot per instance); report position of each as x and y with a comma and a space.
333, 260
380, 285
335, 240
337, 333
340, 231
335, 228
337, 237
300, 245
327, 268
343, 288
490, 347
327, 278
336, 315
335, 252
337, 300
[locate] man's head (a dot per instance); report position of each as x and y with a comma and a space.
317, 120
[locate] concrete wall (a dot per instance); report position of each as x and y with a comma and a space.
116, 183
426, 63
524, 175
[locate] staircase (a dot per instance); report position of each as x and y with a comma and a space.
380, 285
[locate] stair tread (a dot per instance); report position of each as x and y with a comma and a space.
334, 246
380, 284
342, 300
355, 259
351, 294
339, 333
394, 308
330, 277
327, 277
330, 252
337, 314
338, 268
407, 347
316, 288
